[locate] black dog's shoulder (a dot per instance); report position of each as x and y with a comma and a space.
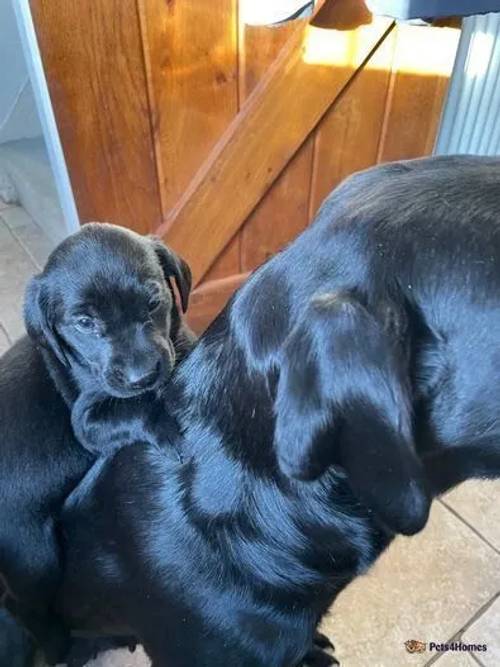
29, 400
22, 364
36, 429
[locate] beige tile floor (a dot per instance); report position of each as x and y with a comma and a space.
441, 585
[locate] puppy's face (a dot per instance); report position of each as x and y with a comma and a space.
105, 307
119, 329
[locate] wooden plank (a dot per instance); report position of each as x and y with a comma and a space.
280, 113
228, 262
347, 139
190, 51
257, 49
283, 211
210, 298
92, 55
422, 66
191, 60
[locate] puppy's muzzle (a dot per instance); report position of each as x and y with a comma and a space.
136, 378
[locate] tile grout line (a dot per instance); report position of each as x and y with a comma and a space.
470, 526
458, 635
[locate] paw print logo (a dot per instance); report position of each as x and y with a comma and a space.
415, 646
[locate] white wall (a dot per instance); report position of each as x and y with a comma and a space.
18, 115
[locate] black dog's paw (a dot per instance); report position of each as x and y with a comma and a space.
81, 421
84, 650
322, 641
318, 657
95, 423
321, 654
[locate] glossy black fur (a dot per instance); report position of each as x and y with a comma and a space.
373, 337
16, 647
104, 272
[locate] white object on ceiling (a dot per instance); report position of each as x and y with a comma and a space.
268, 12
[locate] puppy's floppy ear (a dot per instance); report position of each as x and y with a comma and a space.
342, 399
174, 266
38, 318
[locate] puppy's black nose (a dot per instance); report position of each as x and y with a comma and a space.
142, 377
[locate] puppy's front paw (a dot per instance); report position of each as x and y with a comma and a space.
93, 427
81, 422
322, 653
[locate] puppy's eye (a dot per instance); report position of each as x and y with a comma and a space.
154, 304
85, 324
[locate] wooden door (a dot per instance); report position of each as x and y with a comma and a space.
223, 138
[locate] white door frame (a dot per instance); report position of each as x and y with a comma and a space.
46, 113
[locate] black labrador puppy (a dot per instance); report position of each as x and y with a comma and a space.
351, 379
104, 333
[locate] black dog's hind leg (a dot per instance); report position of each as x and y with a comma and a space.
321, 654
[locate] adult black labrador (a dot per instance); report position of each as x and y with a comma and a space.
354, 376
104, 330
